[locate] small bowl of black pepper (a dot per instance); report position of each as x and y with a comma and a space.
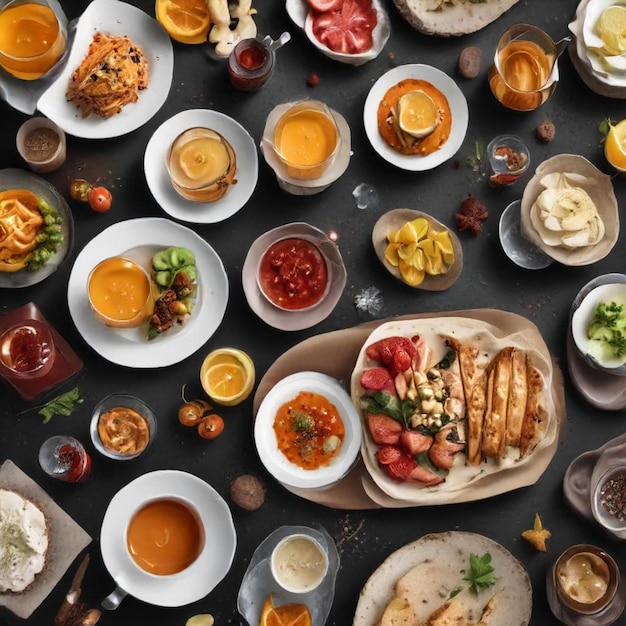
41, 143
608, 499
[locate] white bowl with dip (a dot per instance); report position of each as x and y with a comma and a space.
292, 472
299, 563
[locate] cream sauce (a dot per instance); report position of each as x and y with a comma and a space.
299, 563
584, 577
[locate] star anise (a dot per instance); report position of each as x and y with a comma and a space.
471, 215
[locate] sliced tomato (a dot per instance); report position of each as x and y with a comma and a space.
388, 454
324, 5
414, 442
401, 468
349, 29
377, 379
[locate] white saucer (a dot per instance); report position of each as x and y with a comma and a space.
138, 240
158, 179
115, 18
297, 186
201, 577
458, 109
293, 320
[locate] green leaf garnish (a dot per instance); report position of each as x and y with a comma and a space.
61, 405
481, 573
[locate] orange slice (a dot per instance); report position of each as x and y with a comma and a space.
186, 21
615, 146
227, 376
286, 615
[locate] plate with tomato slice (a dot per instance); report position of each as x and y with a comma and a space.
349, 31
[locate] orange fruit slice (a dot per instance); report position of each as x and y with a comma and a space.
286, 615
615, 146
227, 376
417, 114
186, 21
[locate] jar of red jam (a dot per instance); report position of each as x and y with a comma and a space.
250, 64
64, 458
293, 274
27, 350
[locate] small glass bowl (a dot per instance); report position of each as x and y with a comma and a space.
305, 171
610, 514
509, 158
264, 282
31, 334
119, 266
133, 405
202, 190
295, 555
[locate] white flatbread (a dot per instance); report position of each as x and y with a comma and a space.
434, 17
438, 556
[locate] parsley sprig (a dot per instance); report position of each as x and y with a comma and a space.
480, 575
61, 405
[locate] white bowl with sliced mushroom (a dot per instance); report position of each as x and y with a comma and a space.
569, 210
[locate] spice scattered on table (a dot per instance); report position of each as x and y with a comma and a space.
613, 496
41, 144
537, 535
471, 215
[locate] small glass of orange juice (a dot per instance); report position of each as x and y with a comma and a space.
307, 139
32, 38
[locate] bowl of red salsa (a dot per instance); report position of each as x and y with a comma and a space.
307, 431
294, 274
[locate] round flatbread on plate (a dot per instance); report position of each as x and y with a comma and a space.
425, 572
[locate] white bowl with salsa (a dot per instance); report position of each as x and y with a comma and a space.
294, 274
307, 431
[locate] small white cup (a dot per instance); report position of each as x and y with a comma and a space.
299, 563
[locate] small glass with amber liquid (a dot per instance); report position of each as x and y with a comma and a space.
524, 73
32, 38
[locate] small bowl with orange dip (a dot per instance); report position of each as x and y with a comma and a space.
307, 431
122, 426
294, 274
202, 164
120, 292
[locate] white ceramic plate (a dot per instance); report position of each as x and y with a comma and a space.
299, 13
458, 108
203, 574
22, 179
116, 18
275, 461
158, 179
139, 239
293, 320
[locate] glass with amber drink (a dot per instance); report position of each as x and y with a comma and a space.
32, 38
307, 139
524, 72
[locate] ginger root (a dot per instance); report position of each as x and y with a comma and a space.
232, 21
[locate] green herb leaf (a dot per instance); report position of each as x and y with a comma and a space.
605, 126
61, 405
480, 575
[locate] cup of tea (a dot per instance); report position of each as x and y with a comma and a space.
33, 38
525, 72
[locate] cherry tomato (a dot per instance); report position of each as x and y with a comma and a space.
211, 426
100, 199
192, 412
80, 189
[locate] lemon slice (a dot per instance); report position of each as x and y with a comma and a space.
227, 376
186, 21
391, 253
417, 114
411, 275
615, 146
611, 28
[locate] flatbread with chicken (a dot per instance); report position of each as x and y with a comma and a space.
412, 587
451, 403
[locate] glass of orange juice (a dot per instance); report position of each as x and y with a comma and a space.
307, 139
33, 38
524, 74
